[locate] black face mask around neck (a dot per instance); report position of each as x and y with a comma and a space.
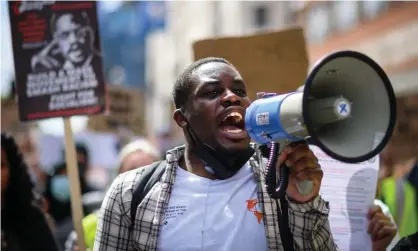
223, 167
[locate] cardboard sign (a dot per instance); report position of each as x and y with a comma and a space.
273, 62
125, 111
58, 65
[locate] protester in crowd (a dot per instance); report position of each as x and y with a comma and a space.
134, 155
212, 192
399, 191
57, 192
23, 224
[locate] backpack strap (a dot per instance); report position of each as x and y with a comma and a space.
150, 175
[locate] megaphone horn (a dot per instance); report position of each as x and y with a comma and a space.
347, 108
364, 106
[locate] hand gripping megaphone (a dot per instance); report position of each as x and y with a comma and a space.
347, 108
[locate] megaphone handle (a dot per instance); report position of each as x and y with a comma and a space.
278, 191
274, 190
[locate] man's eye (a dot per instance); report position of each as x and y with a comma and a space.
240, 92
212, 93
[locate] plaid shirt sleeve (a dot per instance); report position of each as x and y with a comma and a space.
114, 223
310, 225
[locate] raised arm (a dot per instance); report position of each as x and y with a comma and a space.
308, 212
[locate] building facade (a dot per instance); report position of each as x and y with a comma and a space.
384, 30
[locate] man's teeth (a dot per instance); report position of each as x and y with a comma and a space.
234, 131
237, 116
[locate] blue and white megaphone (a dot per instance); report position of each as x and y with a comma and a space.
347, 108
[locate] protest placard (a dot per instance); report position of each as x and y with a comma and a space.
58, 65
125, 111
59, 72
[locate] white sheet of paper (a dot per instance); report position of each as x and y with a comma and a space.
350, 190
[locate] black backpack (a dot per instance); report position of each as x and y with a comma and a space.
150, 175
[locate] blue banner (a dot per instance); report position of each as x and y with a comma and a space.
123, 33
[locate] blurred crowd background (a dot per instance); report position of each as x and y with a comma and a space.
147, 44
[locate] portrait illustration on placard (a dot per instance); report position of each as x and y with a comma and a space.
72, 44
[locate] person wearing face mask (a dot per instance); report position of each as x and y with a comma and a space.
58, 195
58, 191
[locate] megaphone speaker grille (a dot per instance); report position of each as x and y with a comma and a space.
367, 96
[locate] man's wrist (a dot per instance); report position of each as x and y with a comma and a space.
316, 204
308, 199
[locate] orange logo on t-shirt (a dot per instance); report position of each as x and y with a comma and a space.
252, 207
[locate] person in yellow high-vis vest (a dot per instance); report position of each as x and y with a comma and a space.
400, 195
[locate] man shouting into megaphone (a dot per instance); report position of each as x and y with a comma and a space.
210, 194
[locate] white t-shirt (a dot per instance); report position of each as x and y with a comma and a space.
221, 215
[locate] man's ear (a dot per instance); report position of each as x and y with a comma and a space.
180, 119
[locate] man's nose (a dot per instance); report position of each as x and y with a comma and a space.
230, 98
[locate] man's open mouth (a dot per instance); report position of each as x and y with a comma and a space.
233, 123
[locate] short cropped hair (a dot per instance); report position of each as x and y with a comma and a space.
185, 82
